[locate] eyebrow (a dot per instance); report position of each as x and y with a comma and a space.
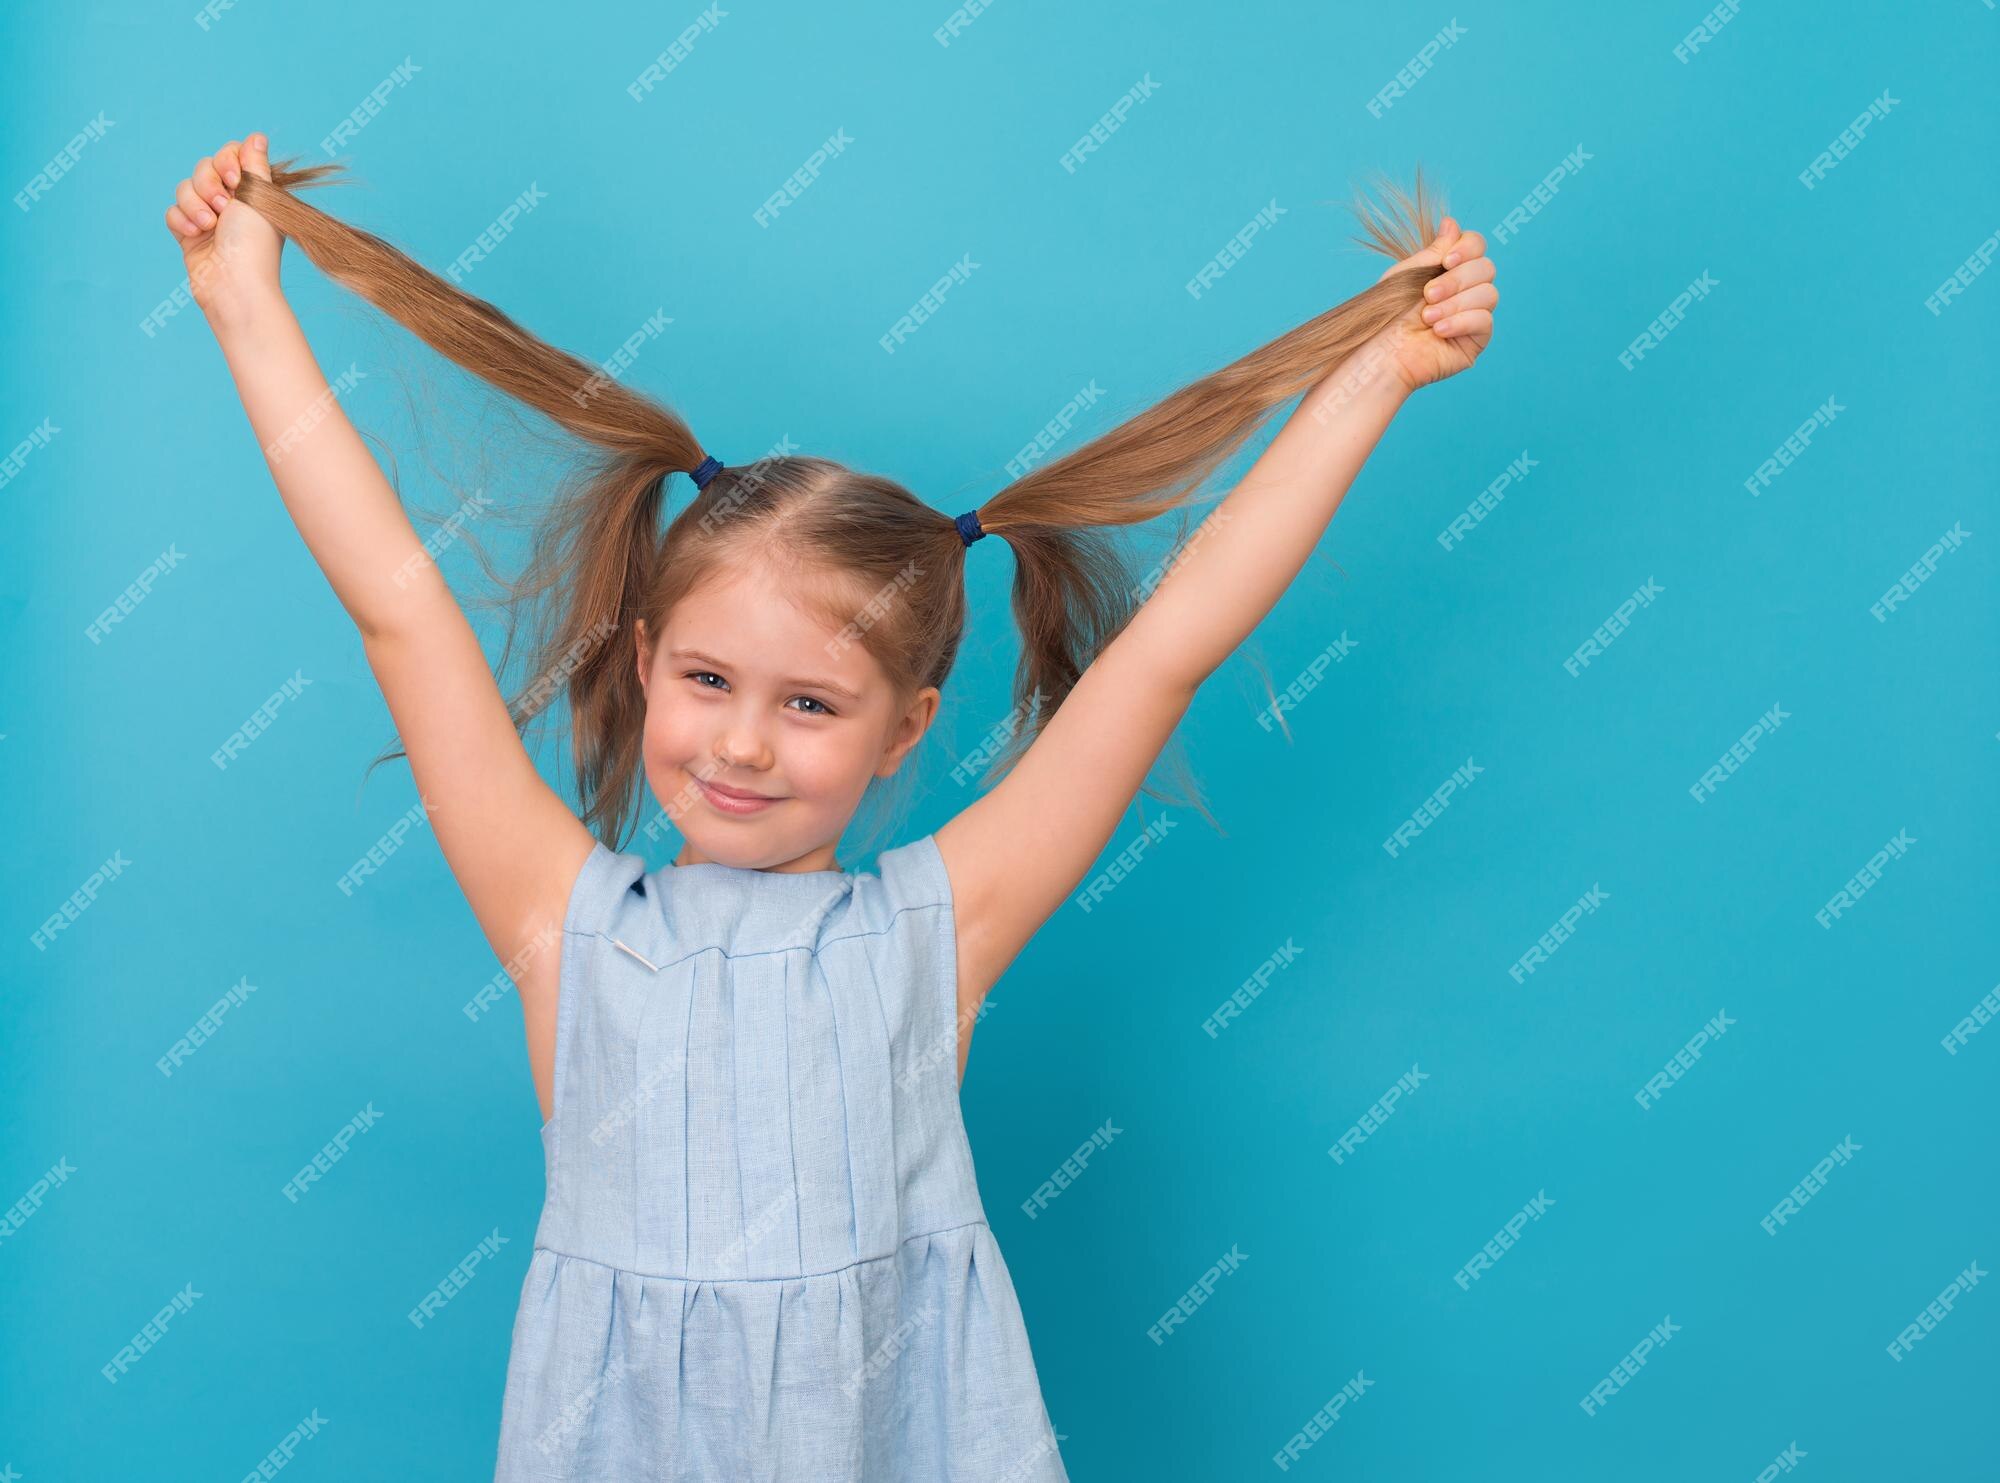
809, 682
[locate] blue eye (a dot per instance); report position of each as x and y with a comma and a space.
697, 674
824, 709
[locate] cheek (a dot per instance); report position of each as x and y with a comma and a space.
672, 736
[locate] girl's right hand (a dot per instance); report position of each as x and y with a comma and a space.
231, 251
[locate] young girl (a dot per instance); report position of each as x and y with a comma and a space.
762, 1253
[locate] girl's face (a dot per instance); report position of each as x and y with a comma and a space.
764, 726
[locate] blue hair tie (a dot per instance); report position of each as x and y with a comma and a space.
707, 469
968, 526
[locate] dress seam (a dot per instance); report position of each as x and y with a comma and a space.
790, 1277
799, 947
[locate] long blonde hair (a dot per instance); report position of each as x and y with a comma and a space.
600, 559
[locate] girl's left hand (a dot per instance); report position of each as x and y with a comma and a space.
1445, 333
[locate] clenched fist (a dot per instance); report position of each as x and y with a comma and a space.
231, 252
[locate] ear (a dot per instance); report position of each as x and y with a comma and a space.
916, 720
643, 652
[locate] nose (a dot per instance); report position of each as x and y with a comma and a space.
742, 745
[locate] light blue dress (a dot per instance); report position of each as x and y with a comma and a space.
762, 1256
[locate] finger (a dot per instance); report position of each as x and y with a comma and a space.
256, 157
1471, 245
1457, 280
1479, 296
208, 184
179, 225
1470, 322
227, 164
190, 202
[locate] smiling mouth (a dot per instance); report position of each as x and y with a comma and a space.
733, 801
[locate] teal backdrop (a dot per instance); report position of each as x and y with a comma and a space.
1555, 1250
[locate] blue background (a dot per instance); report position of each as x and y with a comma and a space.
1893, 726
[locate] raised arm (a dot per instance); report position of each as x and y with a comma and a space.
1016, 854
512, 844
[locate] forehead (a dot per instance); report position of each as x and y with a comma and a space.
765, 620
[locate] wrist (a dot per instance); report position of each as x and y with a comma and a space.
1371, 379
245, 313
